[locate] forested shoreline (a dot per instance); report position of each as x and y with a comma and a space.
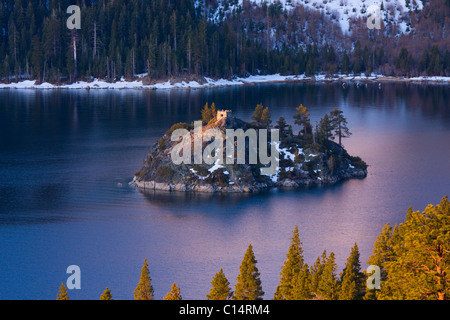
175, 39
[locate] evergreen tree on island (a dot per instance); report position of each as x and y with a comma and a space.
339, 124
208, 113
261, 116
220, 287
284, 129
144, 289
248, 286
325, 129
302, 119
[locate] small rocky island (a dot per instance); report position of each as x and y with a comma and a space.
307, 158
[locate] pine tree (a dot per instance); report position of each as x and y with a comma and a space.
404, 62
435, 66
106, 295
424, 61
317, 271
220, 287
302, 119
325, 129
352, 279
382, 253
285, 130
421, 255
291, 269
358, 57
326, 288
248, 285
331, 164
174, 293
265, 118
345, 65
62, 293
208, 113
302, 284
144, 289
339, 124
36, 58
257, 114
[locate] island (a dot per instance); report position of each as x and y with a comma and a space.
309, 157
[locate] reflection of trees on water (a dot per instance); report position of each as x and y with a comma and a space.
180, 203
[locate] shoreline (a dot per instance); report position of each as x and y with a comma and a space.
96, 84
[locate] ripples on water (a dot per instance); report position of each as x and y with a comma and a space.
66, 158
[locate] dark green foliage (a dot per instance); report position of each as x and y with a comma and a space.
327, 284
325, 129
357, 162
345, 65
404, 62
302, 284
317, 271
339, 124
294, 276
352, 284
220, 289
172, 38
435, 66
248, 283
220, 177
358, 59
331, 164
285, 130
164, 172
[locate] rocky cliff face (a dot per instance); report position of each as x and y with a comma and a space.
299, 165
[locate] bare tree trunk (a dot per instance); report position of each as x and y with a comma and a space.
340, 133
189, 52
74, 43
268, 35
94, 51
108, 75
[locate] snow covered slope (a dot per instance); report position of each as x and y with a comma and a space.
341, 11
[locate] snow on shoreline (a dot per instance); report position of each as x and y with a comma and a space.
210, 83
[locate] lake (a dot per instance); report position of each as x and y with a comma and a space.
66, 157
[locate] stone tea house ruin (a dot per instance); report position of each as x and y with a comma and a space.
223, 114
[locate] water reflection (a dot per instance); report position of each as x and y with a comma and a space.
66, 157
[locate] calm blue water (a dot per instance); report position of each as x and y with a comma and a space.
66, 158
